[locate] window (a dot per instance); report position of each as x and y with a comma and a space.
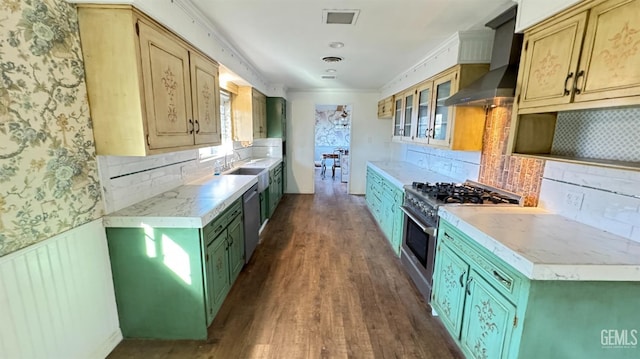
225, 130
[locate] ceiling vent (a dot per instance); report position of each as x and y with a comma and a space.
328, 77
340, 17
331, 59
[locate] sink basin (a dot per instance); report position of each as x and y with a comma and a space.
246, 171
262, 173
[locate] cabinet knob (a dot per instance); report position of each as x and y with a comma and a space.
198, 126
191, 127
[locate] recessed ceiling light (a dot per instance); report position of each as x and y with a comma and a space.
331, 70
336, 44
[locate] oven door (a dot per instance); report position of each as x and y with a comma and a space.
418, 251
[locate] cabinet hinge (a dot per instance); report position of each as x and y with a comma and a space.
137, 29
456, 76
518, 100
515, 321
206, 258
526, 45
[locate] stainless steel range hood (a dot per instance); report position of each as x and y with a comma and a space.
497, 87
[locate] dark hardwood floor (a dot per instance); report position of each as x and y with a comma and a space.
324, 283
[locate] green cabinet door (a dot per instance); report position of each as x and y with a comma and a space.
276, 117
235, 238
217, 267
158, 282
264, 205
488, 320
450, 276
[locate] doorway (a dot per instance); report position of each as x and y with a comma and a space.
332, 144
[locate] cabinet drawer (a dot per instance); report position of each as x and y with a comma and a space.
215, 227
497, 273
234, 211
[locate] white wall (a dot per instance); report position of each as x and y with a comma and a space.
370, 136
600, 197
57, 299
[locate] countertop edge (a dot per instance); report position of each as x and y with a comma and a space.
534, 271
116, 221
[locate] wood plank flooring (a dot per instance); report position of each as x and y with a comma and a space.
324, 283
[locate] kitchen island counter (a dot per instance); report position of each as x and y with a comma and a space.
545, 246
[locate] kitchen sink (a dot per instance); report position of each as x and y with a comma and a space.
246, 171
262, 173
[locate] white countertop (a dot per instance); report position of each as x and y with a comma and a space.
546, 246
192, 205
404, 173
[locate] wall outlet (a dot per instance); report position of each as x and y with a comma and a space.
574, 200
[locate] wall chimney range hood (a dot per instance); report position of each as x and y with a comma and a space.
497, 87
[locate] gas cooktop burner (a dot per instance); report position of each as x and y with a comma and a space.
468, 192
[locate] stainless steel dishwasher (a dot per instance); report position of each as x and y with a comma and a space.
251, 209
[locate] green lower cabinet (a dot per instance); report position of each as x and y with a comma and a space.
448, 294
217, 268
169, 283
384, 200
264, 205
494, 312
158, 281
235, 238
488, 320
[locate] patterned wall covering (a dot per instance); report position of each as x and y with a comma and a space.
327, 133
604, 134
512, 173
48, 172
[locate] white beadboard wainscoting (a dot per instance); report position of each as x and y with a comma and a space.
601, 197
57, 298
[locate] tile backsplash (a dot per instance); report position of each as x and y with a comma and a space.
603, 133
459, 165
600, 197
128, 180
520, 175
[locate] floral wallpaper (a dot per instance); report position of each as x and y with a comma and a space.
332, 129
48, 172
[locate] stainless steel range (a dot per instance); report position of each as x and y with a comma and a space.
421, 202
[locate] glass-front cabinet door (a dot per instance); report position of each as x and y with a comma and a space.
423, 119
408, 114
397, 117
442, 115
403, 115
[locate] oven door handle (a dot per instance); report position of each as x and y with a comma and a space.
425, 229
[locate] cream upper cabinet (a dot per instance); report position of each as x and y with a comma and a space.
550, 60
165, 72
422, 123
404, 115
585, 58
250, 114
385, 107
259, 112
611, 56
206, 100
432, 123
149, 91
